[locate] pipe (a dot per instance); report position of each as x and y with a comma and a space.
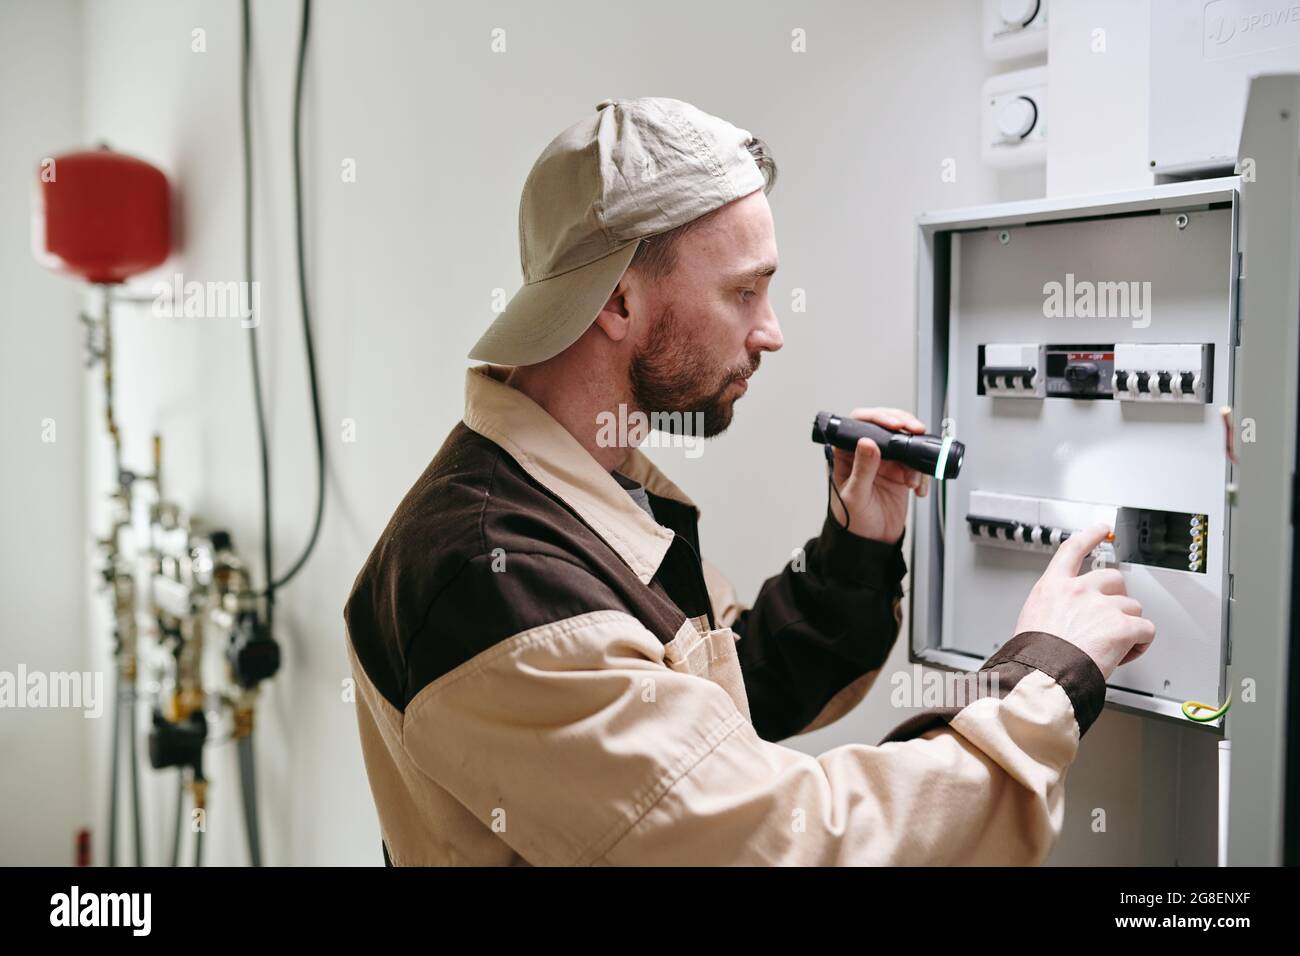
134, 769
200, 790
180, 815
1225, 761
248, 784
112, 774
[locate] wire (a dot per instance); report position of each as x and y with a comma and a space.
245, 64
274, 583
941, 489
831, 489
1191, 706
306, 312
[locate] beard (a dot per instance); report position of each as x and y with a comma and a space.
672, 373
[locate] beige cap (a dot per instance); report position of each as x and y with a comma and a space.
634, 168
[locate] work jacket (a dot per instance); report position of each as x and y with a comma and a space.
546, 674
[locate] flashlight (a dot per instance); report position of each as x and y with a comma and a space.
935, 455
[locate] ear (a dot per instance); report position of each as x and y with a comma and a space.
614, 319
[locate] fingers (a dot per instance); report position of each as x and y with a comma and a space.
895, 472
1143, 632
1105, 580
1130, 606
1136, 651
1069, 556
866, 463
898, 474
1140, 630
894, 418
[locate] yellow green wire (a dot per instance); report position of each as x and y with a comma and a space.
1191, 706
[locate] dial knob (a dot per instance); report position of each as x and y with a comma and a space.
1016, 118
1017, 13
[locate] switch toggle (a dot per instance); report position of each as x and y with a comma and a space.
1163, 373
1011, 371
1082, 373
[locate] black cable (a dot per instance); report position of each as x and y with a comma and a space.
831, 489
245, 66
306, 312
274, 583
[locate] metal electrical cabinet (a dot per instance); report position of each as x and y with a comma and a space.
1081, 348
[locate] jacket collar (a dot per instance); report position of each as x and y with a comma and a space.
546, 451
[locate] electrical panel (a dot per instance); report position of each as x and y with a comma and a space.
1081, 348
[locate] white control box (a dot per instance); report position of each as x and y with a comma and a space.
1014, 28
1203, 55
1013, 120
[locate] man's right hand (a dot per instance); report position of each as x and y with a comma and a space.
1092, 611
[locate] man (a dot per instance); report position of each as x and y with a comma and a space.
547, 671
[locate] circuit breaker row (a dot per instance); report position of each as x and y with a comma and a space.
1130, 372
1164, 539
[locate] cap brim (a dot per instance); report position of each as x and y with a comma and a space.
544, 318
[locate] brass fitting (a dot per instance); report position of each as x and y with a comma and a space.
243, 721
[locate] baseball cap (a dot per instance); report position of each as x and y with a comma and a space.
633, 168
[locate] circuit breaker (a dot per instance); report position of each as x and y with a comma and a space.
1082, 348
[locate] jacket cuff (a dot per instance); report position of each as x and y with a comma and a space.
1072, 668
849, 557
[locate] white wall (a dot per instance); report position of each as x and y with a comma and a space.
43, 566
404, 262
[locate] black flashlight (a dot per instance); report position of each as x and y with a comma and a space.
929, 454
